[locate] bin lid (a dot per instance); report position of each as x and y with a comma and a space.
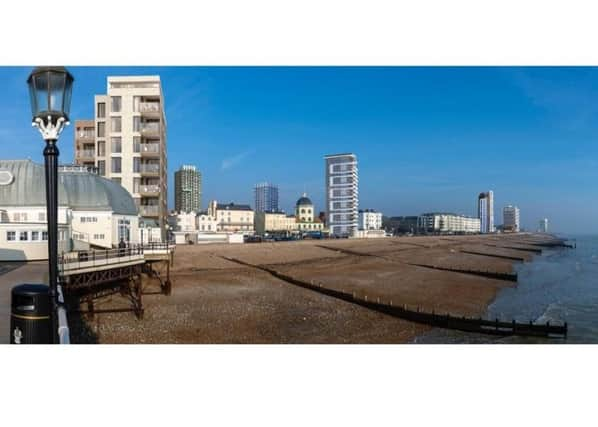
30, 299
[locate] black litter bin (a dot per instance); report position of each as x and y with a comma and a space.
30, 315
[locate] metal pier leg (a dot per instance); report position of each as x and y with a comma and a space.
168, 285
136, 292
90, 308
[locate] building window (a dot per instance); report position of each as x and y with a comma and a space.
136, 144
136, 123
44, 235
98, 237
11, 236
101, 129
115, 104
136, 164
23, 236
102, 167
136, 101
101, 110
116, 124
20, 216
61, 235
116, 144
136, 182
35, 235
116, 165
101, 148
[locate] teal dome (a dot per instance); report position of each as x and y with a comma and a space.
77, 190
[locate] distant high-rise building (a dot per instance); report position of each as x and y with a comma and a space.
511, 218
187, 189
486, 212
342, 194
544, 225
266, 197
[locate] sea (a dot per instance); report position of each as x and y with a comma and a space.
560, 285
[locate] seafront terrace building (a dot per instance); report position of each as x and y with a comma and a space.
447, 223
232, 217
93, 212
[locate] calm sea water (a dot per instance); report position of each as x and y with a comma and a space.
561, 285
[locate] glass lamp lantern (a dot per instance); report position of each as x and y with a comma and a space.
50, 91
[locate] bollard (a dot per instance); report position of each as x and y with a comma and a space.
30, 315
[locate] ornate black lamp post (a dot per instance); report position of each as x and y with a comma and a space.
50, 90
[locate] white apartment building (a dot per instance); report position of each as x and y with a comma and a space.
342, 194
369, 219
511, 218
129, 145
206, 223
273, 222
450, 223
232, 217
486, 212
93, 212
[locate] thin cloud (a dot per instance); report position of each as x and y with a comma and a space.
231, 162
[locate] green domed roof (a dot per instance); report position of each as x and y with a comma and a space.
304, 200
77, 190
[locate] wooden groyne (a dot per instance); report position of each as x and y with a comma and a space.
511, 277
447, 321
512, 258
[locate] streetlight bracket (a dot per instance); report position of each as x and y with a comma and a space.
50, 131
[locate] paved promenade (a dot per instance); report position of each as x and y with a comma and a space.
12, 274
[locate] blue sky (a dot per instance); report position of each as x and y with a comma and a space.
427, 138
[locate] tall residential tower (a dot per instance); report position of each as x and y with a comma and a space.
486, 212
266, 197
187, 189
130, 142
342, 194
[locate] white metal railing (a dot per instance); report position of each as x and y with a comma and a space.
96, 258
86, 153
149, 188
150, 148
149, 210
149, 107
150, 127
150, 167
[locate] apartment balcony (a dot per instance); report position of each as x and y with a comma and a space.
150, 169
86, 155
150, 129
149, 190
149, 150
150, 109
149, 211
